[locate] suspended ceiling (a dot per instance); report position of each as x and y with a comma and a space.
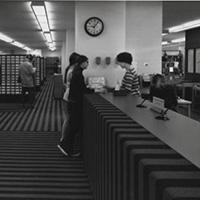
18, 21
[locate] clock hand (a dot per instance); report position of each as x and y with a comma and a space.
96, 24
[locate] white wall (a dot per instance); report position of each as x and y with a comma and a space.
70, 44
109, 43
143, 34
67, 48
130, 26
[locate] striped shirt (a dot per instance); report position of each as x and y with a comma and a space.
130, 82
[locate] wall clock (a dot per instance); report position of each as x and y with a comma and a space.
94, 26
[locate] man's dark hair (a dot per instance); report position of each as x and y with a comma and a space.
125, 57
29, 57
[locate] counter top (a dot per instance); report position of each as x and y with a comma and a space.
180, 132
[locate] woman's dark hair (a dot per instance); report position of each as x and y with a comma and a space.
73, 59
82, 59
156, 78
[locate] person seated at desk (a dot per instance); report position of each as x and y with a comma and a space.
161, 90
130, 82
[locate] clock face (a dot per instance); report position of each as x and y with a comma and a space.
94, 26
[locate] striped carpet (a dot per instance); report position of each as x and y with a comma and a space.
46, 116
31, 166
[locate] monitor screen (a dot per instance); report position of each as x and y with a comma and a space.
171, 69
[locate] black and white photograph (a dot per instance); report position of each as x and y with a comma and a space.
99, 100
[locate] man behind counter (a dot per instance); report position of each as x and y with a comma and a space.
130, 81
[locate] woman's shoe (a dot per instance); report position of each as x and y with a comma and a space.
63, 150
75, 154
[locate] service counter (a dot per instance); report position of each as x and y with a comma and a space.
129, 155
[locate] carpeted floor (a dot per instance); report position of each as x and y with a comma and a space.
31, 166
11, 107
46, 116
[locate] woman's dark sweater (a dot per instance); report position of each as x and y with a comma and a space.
77, 86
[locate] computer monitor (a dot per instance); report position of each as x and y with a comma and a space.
167, 93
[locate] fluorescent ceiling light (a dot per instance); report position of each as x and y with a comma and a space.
5, 38
9, 40
51, 14
53, 49
18, 44
48, 37
52, 46
178, 40
22, 46
185, 26
42, 21
40, 12
27, 49
165, 43
163, 34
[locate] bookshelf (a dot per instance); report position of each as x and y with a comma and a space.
9, 73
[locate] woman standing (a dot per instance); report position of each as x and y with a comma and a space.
73, 61
77, 90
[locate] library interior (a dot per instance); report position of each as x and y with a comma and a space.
99, 100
